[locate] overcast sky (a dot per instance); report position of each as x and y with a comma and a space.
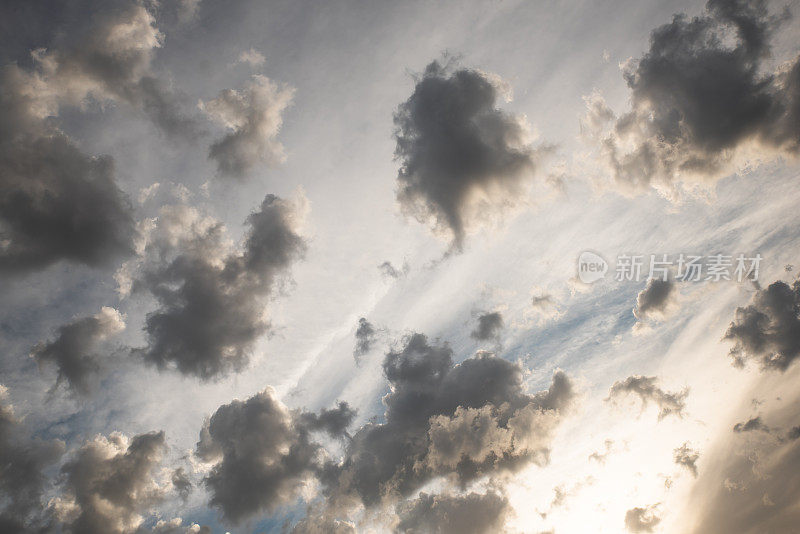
323, 267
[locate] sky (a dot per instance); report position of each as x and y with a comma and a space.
453, 267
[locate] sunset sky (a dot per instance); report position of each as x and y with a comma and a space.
321, 267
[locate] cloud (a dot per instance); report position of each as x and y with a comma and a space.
365, 336
488, 327
107, 55
252, 57
463, 161
458, 421
646, 387
23, 459
254, 117
110, 482
655, 300
389, 270
687, 457
56, 203
751, 425
181, 483
702, 99
211, 300
73, 349
641, 519
752, 484
768, 329
262, 453
472, 513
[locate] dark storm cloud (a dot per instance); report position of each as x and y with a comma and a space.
751, 425
365, 336
687, 457
109, 482
768, 329
641, 519
22, 462
262, 453
654, 299
699, 95
473, 513
462, 159
443, 420
73, 349
253, 116
212, 300
646, 387
488, 327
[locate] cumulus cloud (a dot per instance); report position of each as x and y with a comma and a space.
463, 161
702, 98
56, 203
263, 453
687, 457
647, 389
655, 300
253, 115
443, 420
109, 483
107, 55
73, 351
472, 513
489, 326
23, 460
641, 519
768, 329
211, 299
365, 336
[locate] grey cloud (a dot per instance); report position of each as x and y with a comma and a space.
459, 421
365, 336
181, 483
23, 460
697, 98
472, 513
768, 329
109, 483
333, 422
542, 301
73, 349
56, 203
752, 485
646, 387
641, 519
389, 270
654, 299
262, 453
462, 159
687, 457
212, 300
254, 117
322, 525
489, 326
751, 425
